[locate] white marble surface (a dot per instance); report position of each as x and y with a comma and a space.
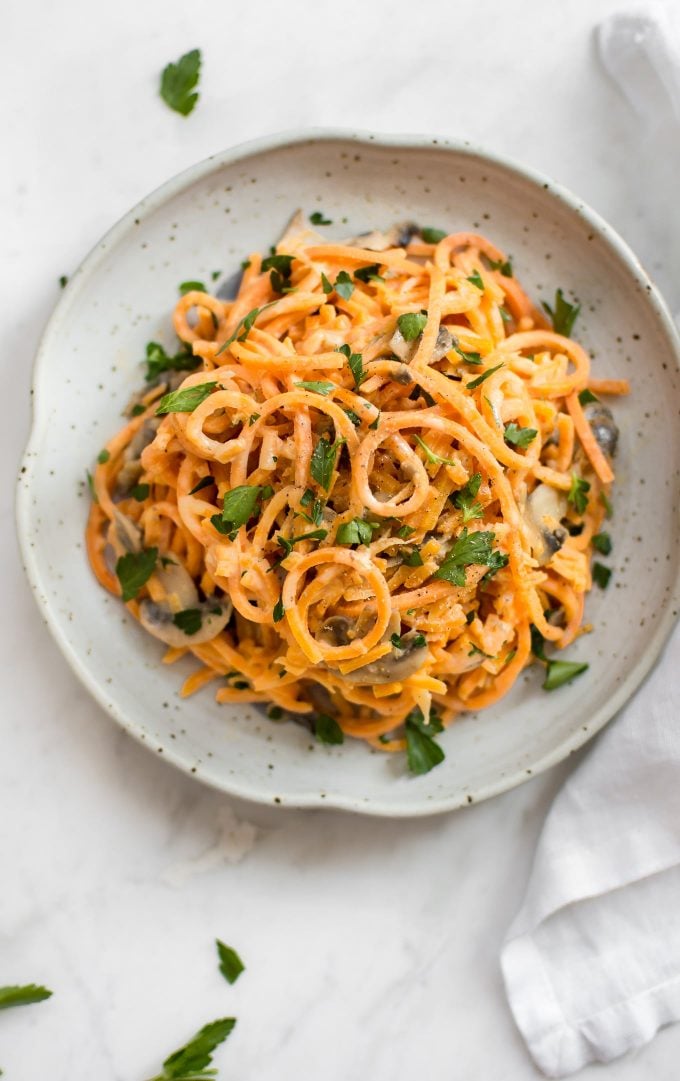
371, 946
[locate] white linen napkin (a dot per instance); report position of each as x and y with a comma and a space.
592, 961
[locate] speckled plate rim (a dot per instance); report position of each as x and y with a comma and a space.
100, 253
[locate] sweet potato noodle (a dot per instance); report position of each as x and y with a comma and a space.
384, 469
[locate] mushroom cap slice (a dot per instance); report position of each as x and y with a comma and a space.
158, 620
546, 506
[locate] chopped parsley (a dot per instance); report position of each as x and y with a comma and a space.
323, 461
411, 324
586, 396
465, 499
368, 273
468, 549
315, 506
578, 496
432, 236
157, 361
357, 531
563, 315
204, 482
140, 492
520, 437
603, 543
601, 575
476, 279
325, 284
436, 459
417, 642
63, 281
351, 415
133, 571
238, 506
25, 995
191, 1061
103, 456
317, 386
317, 218
344, 286
327, 729
474, 383
279, 611
411, 558
189, 620
186, 400
356, 364
243, 327
178, 82
405, 532
609, 510
231, 965
191, 287
469, 358
280, 270
504, 265
287, 543
422, 751
560, 672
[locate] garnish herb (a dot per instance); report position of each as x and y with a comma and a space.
103, 456
191, 287
178, 81
231, 965
137, 410
481, 378
279, 611
243, 327
214, 275
317, 386
603, 543
356, 364
560, 672
374, 425
326, 285
504, 314
327, 729
140, 492
538, 644
601, 575
356, 420
469, 358
189, 620
475, 650
344, 286
520, 437
90, 484
563, 315
412, 558
253, 417
416, 642
134, 569
609, 510
436, 459
432, 236
469, 548
24, 995
245, 263
287, 542
368, 273
316, 506
186, 400
476, 279
504, 265
204, 482
317, 218
411, 325
355, 532
280, 267
465, 500
63, 281
405, 532
323, 461
190, 1062
497, 561
422, 752
578, 493
586, 396
157, 361
239, 506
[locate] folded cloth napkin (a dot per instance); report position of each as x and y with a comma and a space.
592, 961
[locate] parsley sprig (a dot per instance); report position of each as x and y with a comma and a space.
190, 1062
465, 499
178, 81
563, 315
25, 995
469, 549
422, 751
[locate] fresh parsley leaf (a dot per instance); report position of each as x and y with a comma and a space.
90, 484
355, 532
103, 456
411, 324
287, 542
186, 400
476, 650
351, 415
474, 383
560, 672
417, 642
465, 500
504, 265
24, 995
469, 358
603, 543
469, 548
563, 315
368, 273
231, 965
307, 497
204, 482
601, 575
538, 644
609, 510
63, 281
344, 286
436, 459
432, 236
137, 410
191, 287
317, 218
411, 558
373, 426
140, 492
504, 314
327, 730
279, 611
520, 437
240, 503
318, 387
214, 275
243, 327
189, 620
280, 267
405, 532
356, 364
326, 285
476, 279
134, 569
178, 81
495, 563
422, 751
586, 396
323, 461
157, 361
578, 493
190, 1062
316, 507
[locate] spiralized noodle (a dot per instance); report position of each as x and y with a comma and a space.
402, 446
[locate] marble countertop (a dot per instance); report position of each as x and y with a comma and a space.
371, 946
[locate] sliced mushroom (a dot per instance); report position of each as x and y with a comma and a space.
393, 667
398, 236
546, 507
158, 620
604, 427
131, 469
336, 630
406, 350
128, 535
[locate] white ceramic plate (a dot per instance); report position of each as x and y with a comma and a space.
208, 218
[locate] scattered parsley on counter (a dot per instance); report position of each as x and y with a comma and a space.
178, 82
231, 965
190, 1062
24, 995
